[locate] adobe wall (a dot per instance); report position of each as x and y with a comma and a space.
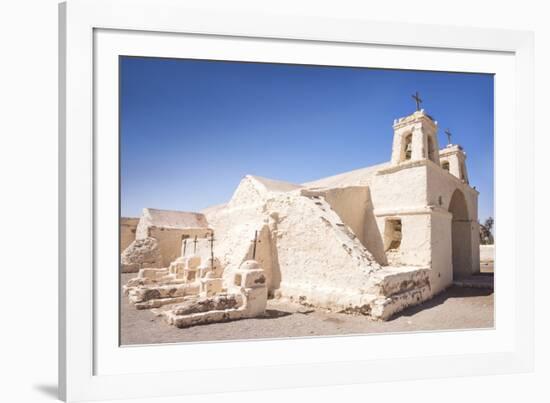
441, 186
235, 225
305, 248
415, 247
399, 193
351, 203
400, 187
319, 258
170, 242
128, 226
441, 274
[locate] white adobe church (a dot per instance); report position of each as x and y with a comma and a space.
372, 241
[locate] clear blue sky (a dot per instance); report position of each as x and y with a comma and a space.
190, 130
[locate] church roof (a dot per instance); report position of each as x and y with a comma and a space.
253, 188
173, 219
357, 177
273, 185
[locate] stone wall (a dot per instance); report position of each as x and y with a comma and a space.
350, 203
170, 242
441, 187
128, 227
167, 228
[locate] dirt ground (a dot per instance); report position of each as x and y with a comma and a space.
456, 308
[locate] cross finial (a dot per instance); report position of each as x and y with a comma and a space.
449, 134
417, 99
255, 241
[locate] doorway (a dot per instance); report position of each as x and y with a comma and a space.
461, 236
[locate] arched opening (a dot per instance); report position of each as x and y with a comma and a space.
445, 165
407, 147
461, 236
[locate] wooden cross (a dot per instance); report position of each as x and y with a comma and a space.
212, 250
417, 99
195, 247
184, 244
449, 134
255, 241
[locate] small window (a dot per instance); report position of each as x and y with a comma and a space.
238, 280
445, 165
392, 234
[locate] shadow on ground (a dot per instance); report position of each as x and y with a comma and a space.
452, 292
48, 390
274, 313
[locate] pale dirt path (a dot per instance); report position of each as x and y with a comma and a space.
457, 308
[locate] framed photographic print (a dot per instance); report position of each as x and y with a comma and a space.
284, 195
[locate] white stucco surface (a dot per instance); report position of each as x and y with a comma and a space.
168, 228
487, 253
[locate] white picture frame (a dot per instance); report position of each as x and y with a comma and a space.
91, 364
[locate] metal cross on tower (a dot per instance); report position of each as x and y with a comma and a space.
417, 99
449, 134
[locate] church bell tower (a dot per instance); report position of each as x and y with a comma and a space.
415, 139
453, 159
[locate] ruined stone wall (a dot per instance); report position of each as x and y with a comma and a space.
170, 241
235, 225
168, 227
128, 226
305, 248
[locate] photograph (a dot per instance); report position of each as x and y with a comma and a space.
270, 200
276, 201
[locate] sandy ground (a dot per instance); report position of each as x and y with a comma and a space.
456, 308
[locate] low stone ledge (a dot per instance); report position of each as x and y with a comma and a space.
142, 294
201, 304
385, 308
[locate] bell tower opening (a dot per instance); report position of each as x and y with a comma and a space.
407, 155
